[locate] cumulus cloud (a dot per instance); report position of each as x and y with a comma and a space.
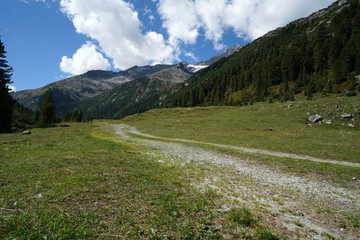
211, 13
180, 19
249, 19
255, 18
115, 25
86, 58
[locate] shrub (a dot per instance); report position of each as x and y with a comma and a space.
265, 234
242, 216
351, 93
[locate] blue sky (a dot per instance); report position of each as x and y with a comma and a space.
48, 40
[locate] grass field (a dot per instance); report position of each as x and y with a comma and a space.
78, 181
75, 182
249, 126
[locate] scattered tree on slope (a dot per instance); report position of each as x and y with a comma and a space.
47, 110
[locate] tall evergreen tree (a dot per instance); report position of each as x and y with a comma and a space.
47, 111
79, 116
6, 101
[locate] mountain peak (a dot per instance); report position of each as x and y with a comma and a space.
226, 53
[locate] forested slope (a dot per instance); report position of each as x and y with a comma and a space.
318, 54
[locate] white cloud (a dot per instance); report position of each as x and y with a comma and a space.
11, 88
180, 19
211, 13
249, 19
86, 58
255, 18
151, 18
192, 56
115, 25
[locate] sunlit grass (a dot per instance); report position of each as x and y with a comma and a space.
250, 126
74, 183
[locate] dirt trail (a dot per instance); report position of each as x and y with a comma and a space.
288, 199
245, 149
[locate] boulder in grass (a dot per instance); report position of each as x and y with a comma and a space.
27, 132
328, 121
315, 118
346, 116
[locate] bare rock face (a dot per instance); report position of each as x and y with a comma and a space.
226, 53
315, 118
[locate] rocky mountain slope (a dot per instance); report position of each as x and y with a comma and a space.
225, 54
76, 92
69, 92
120, 100
109, 103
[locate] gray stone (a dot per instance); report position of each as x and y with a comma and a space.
346, 116
315, 118
351, 125
328, 121
26, 132
287, 106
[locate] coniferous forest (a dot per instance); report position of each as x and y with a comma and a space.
319, 54
308, 56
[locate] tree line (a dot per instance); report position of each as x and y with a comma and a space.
15, 115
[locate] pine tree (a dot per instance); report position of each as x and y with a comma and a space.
67, 116
79, 116
6, 101
47, 111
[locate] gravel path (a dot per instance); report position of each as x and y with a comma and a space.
239, 181
249, 150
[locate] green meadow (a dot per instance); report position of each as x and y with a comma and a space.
76, 182
79, 181
249, 126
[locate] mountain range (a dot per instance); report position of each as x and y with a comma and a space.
67, 93
70, 93
316, 54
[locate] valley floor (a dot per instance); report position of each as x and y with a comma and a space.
301, 205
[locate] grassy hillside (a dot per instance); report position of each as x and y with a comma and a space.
250, 126
77, 182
